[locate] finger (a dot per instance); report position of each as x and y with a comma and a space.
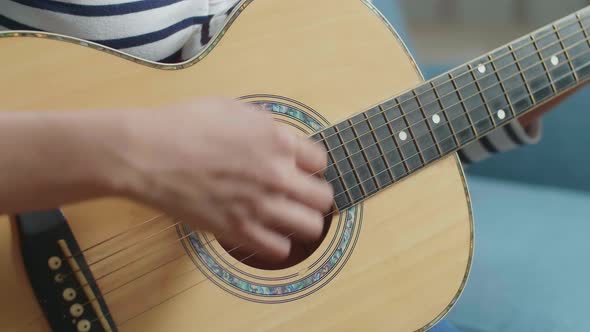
232, 188
311, 156
285, 141
527, 119
200, 217
262, 241
290, 216
309, 190
249, 235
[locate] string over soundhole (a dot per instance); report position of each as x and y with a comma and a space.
300, 250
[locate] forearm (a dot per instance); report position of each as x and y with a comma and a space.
48, 158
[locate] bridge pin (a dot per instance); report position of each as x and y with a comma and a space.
54, 263
69, 294
83, 325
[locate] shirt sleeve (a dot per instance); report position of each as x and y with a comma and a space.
506, 138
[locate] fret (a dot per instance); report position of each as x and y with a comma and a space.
331, 174
470, 92
455, 74
374, 149
574, 41
584, 20
513, 84
554, 59
584, 25
384, 134
415, 128
541, 52
341, 196
369, 151
348, 167
423, 129
494, 95
454, 112
403, 134
343, 165
389, 104
437, 121
532, 70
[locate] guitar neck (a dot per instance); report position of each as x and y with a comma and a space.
374, 149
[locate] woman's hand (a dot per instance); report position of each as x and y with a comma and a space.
226, 167
217, 164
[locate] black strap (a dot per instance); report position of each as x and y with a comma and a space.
51, 275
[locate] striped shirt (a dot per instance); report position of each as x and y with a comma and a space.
156, 30
173, 31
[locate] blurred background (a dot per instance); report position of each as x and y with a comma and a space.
445, 33
531, 205
454, 30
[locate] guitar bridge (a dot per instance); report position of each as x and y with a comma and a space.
63, 284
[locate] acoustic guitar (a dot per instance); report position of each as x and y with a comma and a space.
397, 248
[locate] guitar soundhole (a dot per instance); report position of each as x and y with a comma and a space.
300, 250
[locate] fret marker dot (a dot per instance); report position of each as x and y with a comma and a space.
436, 119
481, 68
403, 136
501, 114
554, 60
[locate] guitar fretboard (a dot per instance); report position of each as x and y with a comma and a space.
374, 149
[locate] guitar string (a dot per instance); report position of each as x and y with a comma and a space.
183, 255
151, 236
445, 139
489, 117
456, 90
346, 191
155, 218
477, 136
171, 297
552, 83
450, 137
403, 116
158, 250
560, 40
159, 232
130, 246
193, 268
207, 278
507, 54
469, 127
373, 178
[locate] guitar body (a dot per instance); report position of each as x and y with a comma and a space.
396, 262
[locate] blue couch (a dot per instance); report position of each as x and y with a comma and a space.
532, 215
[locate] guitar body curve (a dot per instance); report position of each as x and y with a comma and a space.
396, 262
